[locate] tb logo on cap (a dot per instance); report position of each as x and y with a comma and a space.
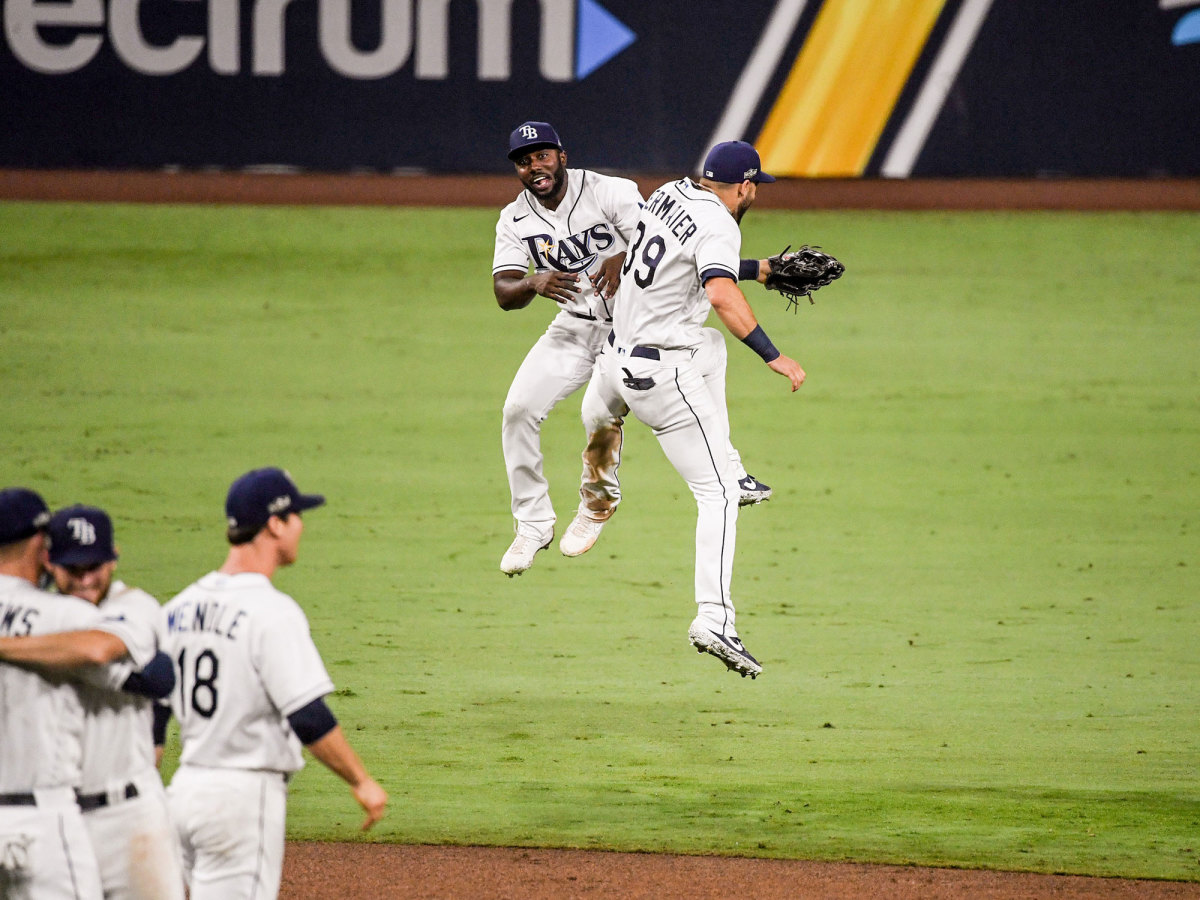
528, 132
83, 531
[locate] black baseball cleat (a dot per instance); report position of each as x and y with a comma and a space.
727, 648
752, 491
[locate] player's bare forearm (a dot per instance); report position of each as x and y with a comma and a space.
336, 753
516, 291
65, 650
730, 305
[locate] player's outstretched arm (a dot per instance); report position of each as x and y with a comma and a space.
335, 752
754, 270
731, 306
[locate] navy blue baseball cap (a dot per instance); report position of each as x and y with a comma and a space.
733, 162
262, 493
81, 536
23, 513
532, 136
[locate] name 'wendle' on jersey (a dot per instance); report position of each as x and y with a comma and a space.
205, 616
573, 254
678, 221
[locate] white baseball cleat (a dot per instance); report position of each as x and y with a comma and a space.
520, 553
728, 648
581, 535
753, 491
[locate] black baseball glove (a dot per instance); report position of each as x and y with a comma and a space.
798, 273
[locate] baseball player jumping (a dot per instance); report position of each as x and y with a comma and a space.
251, 690
567, 223
683, 262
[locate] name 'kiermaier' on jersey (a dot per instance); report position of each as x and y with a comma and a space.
684, 236
594, 221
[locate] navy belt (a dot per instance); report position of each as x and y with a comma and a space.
18, 800
586, 317
88, 802
643, 352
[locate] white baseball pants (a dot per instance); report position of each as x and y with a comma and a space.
604, 413
231, 830
135, 843
45, 853
556, 366
672, 397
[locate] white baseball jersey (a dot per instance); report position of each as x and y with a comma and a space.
135, 845
117, 736
684, 235
44, 844
244, 660
593, 222
42, 720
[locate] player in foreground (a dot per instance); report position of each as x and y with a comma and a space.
122, 798
683, 261
251, 691
568, 223
44, 848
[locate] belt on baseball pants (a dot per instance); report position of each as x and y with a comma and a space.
586, 317
651, 352
18, 800
88, 802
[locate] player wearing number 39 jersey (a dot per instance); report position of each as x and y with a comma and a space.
249, 692
683, 262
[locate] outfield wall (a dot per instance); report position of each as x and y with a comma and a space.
825, 88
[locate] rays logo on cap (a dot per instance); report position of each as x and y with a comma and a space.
82, 530
529, 132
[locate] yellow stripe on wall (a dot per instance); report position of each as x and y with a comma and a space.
844, 86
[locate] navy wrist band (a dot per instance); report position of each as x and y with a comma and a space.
758, 341
748, 270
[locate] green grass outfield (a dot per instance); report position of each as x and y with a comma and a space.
975, 592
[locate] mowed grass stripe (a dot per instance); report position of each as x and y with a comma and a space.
973, 593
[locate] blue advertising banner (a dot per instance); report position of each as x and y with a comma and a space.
841, 88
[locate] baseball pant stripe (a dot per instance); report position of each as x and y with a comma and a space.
725, 604
262, 839
66, 849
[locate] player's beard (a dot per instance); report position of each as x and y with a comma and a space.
744, 205
558, 176
95, 591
